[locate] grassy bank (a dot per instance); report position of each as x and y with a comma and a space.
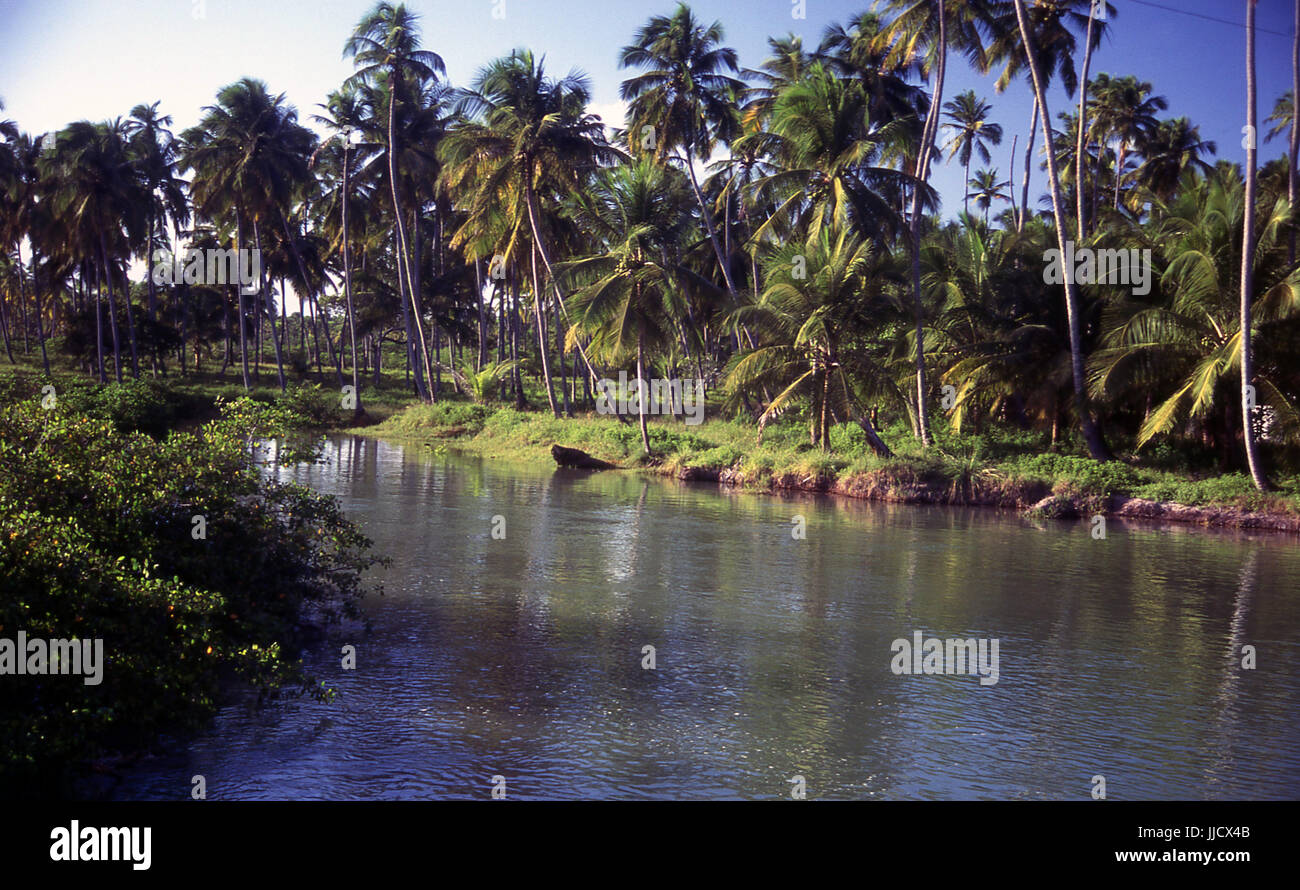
1004, 468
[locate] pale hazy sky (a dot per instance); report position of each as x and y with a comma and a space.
65, 60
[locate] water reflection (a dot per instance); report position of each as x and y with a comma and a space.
522, 657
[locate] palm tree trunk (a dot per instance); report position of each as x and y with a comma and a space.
1092, 436
543, 347
530, 202
1120, 158
1292, 173
965, 198
923, 175
1011, 183
1079, 155
99, 325
403, 249
112, 309
1029, 156
36, 298
1248, 259
265, 302
4, 329
243, 334
708, 223
641, 387
347, 287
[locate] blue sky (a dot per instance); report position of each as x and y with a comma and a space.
66, 60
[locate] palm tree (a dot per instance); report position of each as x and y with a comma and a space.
802, 322
346, 115
636, 214
1169, 153
685, 94
1080, 147
386, 41
834, 163
1248, 260
524, 136
1183, 341
1092, 436
972, 133
922, 32
861, 50
101, 202
1052, 22
1125, 111
154, 148
249, 155
988, 190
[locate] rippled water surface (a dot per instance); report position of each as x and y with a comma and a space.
523, 657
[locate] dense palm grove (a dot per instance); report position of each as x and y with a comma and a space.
768, 230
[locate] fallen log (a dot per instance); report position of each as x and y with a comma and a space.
578, 460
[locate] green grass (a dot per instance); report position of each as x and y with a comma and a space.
999, 466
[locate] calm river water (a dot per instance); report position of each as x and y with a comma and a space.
522, 658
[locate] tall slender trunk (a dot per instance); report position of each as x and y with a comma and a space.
543, 348
99, 324
243, 333
965, 198
1120, 157
559, 350
708, 222
1092, 436
267, 308
1079, 144
923, 175
4, 329
1011, 183
641, 387
1248, 260
347, 286
1029, 156
482, 316
112, 309
1292, 191
530, 201
36, 298
22, 308
403, 249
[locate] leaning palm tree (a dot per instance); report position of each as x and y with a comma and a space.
386, 43
1053, 24
636, 215
686, 95
972, 133
1091, 434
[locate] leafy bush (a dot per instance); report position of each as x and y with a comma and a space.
98, 539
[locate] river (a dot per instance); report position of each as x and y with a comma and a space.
520, 662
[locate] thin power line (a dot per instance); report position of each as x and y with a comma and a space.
1209, 18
